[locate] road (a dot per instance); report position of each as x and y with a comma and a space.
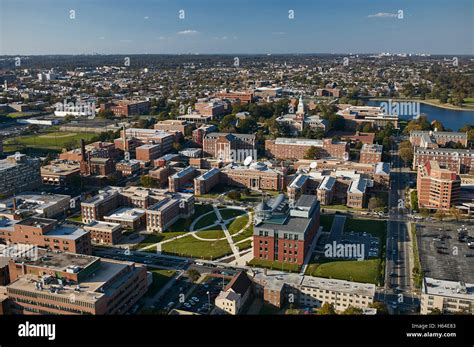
397, 273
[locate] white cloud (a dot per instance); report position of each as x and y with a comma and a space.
187, 32
146, 17
278, 33
383, 15
221, 38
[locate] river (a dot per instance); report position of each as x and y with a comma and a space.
451, 119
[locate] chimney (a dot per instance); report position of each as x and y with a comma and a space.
83, 149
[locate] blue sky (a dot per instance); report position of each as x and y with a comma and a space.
236, 26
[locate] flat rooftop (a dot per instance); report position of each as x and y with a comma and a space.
126, 214
453, 289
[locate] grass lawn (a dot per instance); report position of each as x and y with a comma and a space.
238, 224
227, 213
215, 232
155, 238
50, 140
183, 224
205, 221
244, 245
274, 265
20, 114
189, 246
366, 271
77, 219
160, 278
243, 235
326, 221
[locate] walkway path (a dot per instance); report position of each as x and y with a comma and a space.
233, 247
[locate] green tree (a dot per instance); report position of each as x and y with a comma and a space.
193, 274
311, 153
327, 309
380, 307
351, 310
375, 203
147, 182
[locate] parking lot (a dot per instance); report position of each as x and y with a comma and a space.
198, 297
445, 255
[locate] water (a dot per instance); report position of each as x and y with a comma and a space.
451, 119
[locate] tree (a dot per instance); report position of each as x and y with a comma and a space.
424, 212
147, 182
106, 114
234, 195
327, 309
406, 152
193, 274
380, 307
435, 311
455, 213
375, 203
439, 215
351, 310
311, 153
227, 124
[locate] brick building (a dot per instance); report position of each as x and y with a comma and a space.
180, 179
67, 283
437, 187
296, 148
371, 154
459, 160
148, 152
229, 147
19, 173
434, 139
104, 232
125, 108
283, 233
48, 233
173, 125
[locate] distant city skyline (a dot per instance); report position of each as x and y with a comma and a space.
41, 27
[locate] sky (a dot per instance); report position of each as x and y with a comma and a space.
30, 27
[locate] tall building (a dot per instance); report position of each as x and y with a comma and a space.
296, 122
67, 283
438, 187
284, 233
19, 173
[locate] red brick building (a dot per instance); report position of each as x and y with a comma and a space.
47, 233
437, 187
296, 148
371, 154
125, 108
285, 234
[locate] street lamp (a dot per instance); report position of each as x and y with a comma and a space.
208, 302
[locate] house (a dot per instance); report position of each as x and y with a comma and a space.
235, 295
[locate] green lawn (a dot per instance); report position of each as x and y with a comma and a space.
48, 141
77, 219
205, 221
243, 235
366, 271
244, 245
237, 224
274, 265
189, 246
160, 278
227, 213
183, 224
155, 238
215, 232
